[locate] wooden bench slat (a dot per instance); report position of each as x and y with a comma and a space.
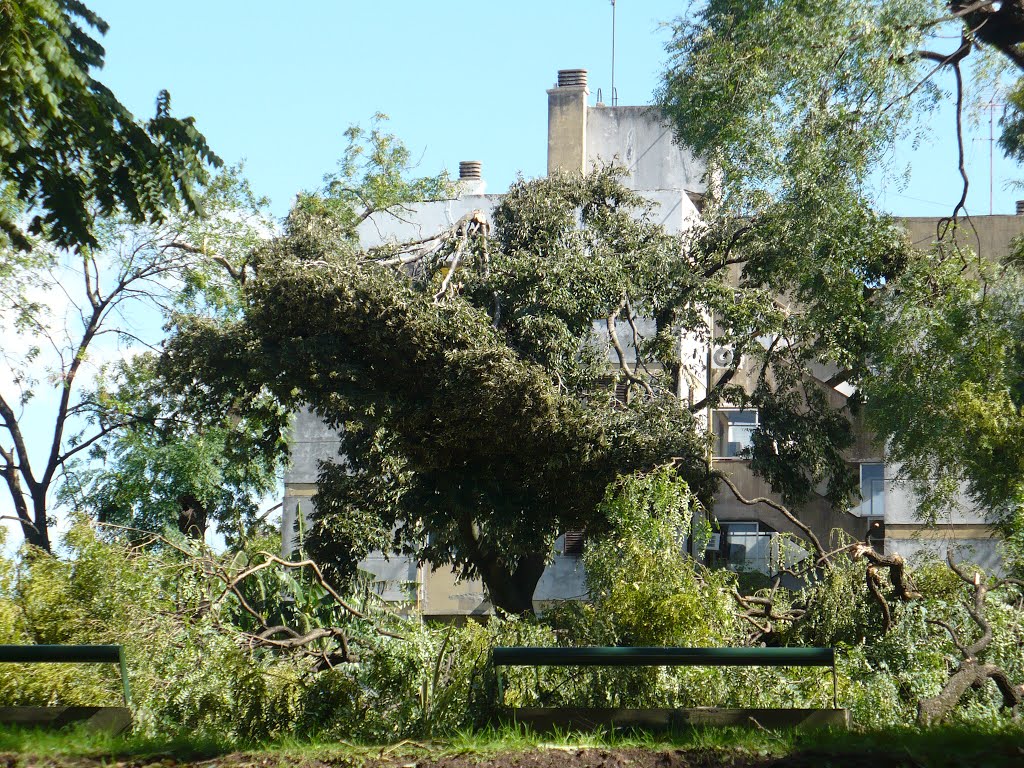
667, 656
66, 654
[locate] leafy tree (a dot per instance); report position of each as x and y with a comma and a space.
475, 402
162, 469
65, 311
69, 150
798, 105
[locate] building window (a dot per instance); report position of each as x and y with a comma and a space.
742, 545
872, 490
734, 431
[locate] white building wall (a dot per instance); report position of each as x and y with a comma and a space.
964, 528
639, 139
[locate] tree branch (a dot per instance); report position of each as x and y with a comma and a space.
820, 550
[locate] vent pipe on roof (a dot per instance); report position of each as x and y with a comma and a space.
471, 179
572, 78
1020, 207
470, 169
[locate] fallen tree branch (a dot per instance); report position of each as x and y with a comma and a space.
970, 672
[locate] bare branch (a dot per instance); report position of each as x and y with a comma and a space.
818, 548
620, 353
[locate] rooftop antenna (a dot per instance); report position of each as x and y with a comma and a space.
991, 105
615, 95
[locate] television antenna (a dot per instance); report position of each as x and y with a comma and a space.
615, 95
991, 105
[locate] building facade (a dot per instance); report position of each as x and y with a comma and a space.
582, 136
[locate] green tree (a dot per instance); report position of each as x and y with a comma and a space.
70, 152
475, 401
798, 106
64, 312
163, 469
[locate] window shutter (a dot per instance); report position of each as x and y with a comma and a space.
573, 543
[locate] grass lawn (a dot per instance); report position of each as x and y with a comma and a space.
508, 748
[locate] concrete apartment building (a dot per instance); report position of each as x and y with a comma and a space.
581, 135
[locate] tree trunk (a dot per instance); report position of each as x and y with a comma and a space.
36, 538
512, 591
192, 519
38, 535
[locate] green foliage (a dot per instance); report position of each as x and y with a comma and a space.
68, 147
165, 470
70, 311
644, 588
798, 106
789, 93
195, 673
520, 434
373, 176
945, 393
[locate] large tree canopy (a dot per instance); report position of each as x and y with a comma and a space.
799, 105
475, 416
71, 392
473, 375
69, 150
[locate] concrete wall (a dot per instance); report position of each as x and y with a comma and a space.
817, 514
640, 139
974, 545
422, 220
567, 129
900, 505
990, 237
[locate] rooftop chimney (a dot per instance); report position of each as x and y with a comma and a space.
572, 78
1020, 207
470, 169
471, 180
567, 122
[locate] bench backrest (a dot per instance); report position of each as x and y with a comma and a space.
656, 656
68, 654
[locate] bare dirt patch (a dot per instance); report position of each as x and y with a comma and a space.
563, 757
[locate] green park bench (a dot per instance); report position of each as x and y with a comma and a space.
114, 719
587, 718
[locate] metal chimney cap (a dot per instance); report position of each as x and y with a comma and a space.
470, 169
1020, 207
572, 78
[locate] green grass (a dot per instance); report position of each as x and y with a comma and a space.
932, 748
81, 742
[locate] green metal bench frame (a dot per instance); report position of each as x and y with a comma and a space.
68, 654
596, 656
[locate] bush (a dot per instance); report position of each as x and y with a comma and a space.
195, 671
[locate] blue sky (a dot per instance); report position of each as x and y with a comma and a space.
278, 83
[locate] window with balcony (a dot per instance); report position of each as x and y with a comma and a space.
734, 431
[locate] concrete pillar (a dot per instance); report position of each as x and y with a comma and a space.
567, 122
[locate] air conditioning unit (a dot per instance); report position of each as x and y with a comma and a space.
723, 357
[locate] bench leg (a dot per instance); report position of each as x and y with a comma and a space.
835, 688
